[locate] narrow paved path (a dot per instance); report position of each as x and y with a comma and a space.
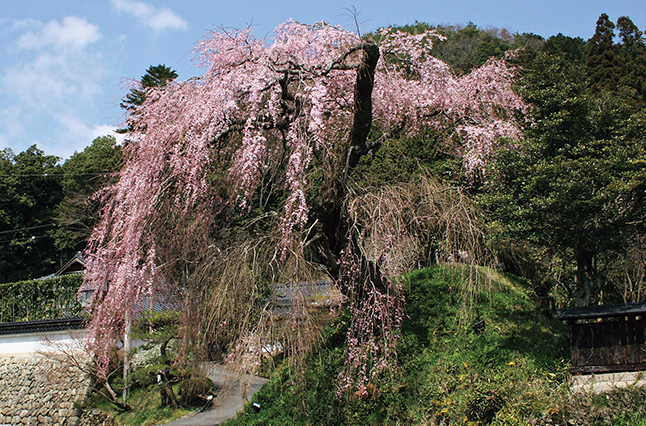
235, 390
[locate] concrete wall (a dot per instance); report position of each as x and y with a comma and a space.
29, 344
605, 382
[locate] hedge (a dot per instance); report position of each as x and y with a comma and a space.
40, 299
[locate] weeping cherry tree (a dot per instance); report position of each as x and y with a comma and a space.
265, 141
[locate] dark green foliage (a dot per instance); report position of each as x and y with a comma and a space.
572, 50
603, 66
192, 392
397, 160
618, 69
47, 210
40, 299
84, 173
469, 47
30, 188
555, 87
183, 385
580, 206
571, 196
158, 330
156, 77
633, 54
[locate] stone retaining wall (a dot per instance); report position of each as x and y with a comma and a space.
40, 391
606, 382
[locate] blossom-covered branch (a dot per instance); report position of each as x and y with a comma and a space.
201, 152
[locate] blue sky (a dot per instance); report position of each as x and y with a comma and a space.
64, 63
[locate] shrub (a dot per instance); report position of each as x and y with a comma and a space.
193, 391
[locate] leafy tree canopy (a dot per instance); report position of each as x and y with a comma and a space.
30, 188
576, 186
83, 174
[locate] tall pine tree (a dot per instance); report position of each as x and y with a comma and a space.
633, 54
156, 77
603, 66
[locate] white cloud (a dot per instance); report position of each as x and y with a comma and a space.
52, 79
81, 134
10, 25
105, 129
53, 86
157, 19
74, 32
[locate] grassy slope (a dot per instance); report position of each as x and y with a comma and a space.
512, 373
147, 411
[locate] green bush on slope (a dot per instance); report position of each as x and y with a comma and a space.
512, 372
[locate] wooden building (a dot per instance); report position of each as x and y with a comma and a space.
75, 266
606, 338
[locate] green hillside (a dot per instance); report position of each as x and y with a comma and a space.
513, 372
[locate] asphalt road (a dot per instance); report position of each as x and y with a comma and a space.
235, 391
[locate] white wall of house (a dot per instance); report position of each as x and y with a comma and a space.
31, 344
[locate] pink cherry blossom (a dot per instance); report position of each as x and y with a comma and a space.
203, 145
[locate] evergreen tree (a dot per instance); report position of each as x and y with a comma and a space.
574, 188
633, 54
30, 189
603, 65
571, 49
156, 77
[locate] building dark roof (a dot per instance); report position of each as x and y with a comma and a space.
39, 326
601, 311
291, 297
161, 303
289, 294
76, 265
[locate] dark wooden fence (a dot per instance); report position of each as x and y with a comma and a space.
606, 338
610, 345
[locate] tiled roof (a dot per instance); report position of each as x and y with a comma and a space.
38, 326
601, 311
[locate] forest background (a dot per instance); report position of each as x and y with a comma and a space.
567, 208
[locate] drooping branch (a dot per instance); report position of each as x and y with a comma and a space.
299, 109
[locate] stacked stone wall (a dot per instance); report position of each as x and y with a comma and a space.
40, 391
